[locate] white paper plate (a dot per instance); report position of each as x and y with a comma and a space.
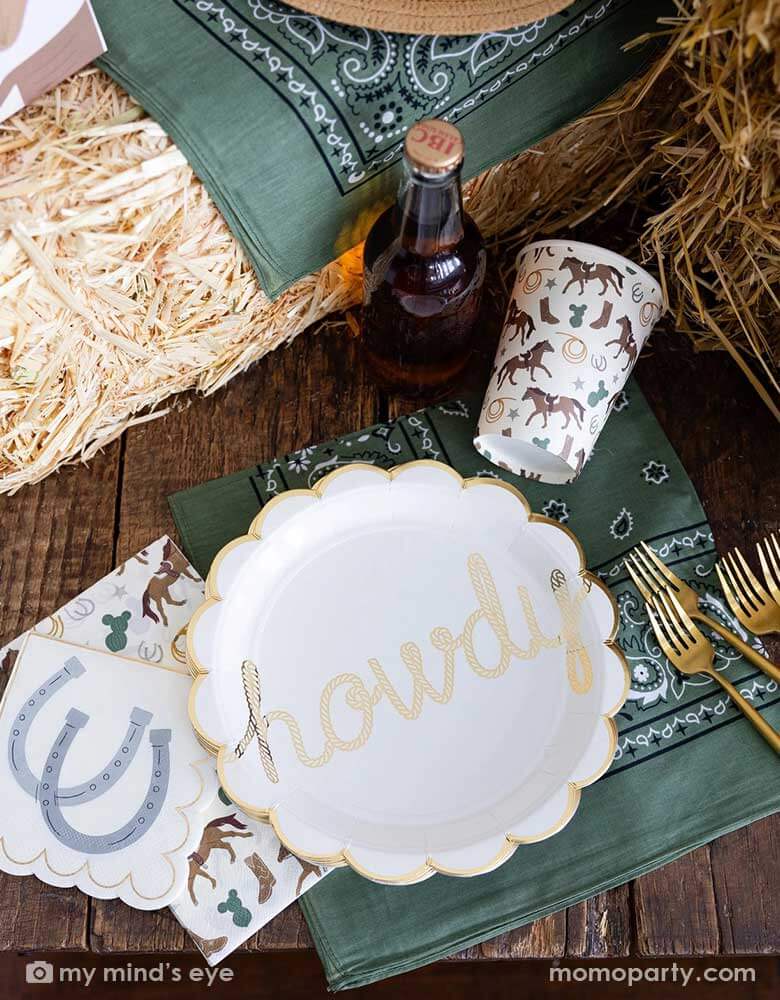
435, 668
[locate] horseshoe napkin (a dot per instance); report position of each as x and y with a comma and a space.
103, 782
108, 685
102, 779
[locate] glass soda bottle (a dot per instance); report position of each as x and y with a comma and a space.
424, 266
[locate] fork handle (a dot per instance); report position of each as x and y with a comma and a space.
742, 647
770, 735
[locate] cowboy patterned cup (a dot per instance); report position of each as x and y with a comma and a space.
577, 320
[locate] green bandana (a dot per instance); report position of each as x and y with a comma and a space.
295, 124
688, 766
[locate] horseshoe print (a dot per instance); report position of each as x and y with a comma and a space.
134, 828
151, 652
55, 627
107, 777
79, 609
100, 782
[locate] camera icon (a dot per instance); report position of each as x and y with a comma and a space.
39, 972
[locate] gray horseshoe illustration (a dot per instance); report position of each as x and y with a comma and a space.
105, 778
131, 831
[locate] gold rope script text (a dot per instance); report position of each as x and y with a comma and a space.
362, 700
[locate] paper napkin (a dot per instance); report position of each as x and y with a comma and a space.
103, 779
103, 782
125, 635
240, 877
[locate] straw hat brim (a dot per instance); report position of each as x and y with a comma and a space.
433, 17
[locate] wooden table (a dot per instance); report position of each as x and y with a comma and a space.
58, 537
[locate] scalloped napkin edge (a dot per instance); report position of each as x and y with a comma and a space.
241, 877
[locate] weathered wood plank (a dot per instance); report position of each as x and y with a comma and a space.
724, 438
115, 927
675, 910
311, 391
600, 927
545, 938
56, 538
745, 868
286, 932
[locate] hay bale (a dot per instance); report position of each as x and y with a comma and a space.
120, 284
717, 236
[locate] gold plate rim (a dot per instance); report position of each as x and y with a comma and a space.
343, 857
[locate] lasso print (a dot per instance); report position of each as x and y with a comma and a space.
363, 700
257, 727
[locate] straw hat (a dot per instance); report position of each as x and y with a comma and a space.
433, 17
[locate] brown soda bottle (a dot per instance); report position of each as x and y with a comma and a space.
424, 266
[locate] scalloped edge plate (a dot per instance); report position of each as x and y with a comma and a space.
512, 513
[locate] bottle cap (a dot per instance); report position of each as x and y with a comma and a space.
434, 146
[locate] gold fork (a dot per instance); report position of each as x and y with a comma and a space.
651, 575
687, 649
770, 563
749, 601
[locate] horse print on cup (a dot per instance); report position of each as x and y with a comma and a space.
528, 361
545, 403
582, 272
522, 322
625, 342
581, 314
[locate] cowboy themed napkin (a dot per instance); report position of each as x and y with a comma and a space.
103, 779
127, 631
688, 767
296, 124
240, 877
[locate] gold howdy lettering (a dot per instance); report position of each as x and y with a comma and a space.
362, 701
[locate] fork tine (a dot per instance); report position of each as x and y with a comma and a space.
672, 621
691, 629
651, 572
758, 590
660, 565
772, 555
764, 563
646, 595
776, 544
738, 605
660, 634
731, 597
748, 598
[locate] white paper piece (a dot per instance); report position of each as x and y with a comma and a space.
41, 44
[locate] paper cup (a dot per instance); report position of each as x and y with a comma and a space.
578, 318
